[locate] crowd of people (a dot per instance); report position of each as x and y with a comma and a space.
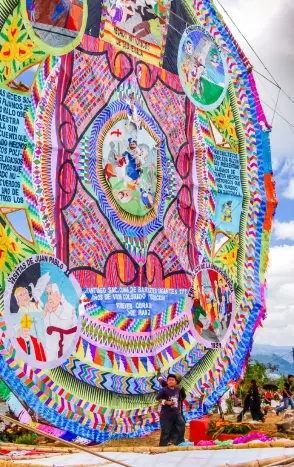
257, 401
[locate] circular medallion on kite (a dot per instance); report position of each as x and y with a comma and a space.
136, 206
214, 302
201, 69
56, 26
41, 311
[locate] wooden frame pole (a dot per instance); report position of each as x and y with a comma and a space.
66, 443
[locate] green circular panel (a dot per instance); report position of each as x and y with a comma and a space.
56, 27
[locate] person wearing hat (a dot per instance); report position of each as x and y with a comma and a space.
172, 422
179, 378
163, 384
28, 343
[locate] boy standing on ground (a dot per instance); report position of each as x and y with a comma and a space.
183, 396
171, 420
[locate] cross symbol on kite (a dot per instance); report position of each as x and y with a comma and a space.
116, 132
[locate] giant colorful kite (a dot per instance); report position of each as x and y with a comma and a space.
136, 205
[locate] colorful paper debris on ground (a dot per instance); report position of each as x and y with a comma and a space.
136, 205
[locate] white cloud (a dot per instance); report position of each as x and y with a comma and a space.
284, 230
285, 171
249, 23
278, 328
289, 191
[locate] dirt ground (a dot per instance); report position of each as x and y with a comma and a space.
152, 440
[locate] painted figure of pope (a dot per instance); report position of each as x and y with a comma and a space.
60, 323
24, 301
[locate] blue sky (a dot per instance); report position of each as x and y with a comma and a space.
268, 26
28, 75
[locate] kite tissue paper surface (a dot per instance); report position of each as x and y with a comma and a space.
136, 206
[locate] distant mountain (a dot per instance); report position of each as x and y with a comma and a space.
277, 355
282, 351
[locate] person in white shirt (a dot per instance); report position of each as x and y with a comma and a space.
60, 323
24, 301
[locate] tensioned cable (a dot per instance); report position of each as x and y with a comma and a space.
255, 53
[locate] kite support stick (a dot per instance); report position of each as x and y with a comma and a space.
271, 462
66, 443
287, 461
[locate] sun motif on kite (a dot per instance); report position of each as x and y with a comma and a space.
136, 205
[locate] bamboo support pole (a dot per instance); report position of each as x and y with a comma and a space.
287, 461
144, 449
257, 445
87, 465
92, 465
271, 462
5, 463
66, 443
46, 448
22, 458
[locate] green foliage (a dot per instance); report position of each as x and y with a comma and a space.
256, 370
9, 434
4, 391
28, 439
17, 435
233, 429
280, 383
217, 428
211, 427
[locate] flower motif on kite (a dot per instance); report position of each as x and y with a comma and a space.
223, 119
18, 52
226, 257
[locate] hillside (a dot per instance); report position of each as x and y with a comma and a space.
281, 356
